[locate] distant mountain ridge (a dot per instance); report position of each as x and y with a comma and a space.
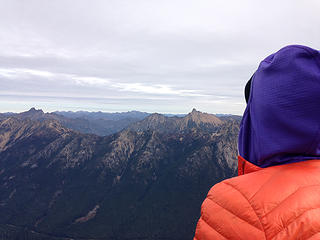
98, 123
162, 123
103, 124
104, 115
145, 182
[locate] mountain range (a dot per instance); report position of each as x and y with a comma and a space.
144, 181
98, 123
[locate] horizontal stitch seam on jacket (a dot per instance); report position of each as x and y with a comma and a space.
299, 188
213, 228
236, 215
250, 206
313, 235
300, 215
269, 179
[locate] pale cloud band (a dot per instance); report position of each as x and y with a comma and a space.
90, 81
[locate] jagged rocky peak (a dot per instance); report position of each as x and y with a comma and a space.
201, 117
195, 111
34, 110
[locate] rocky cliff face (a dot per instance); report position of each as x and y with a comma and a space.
145, 182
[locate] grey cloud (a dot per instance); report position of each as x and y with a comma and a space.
165, 56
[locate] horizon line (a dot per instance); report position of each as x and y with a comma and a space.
75, 111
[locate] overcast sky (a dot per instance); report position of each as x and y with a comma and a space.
156, 56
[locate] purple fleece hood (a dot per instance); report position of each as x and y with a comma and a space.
281, 123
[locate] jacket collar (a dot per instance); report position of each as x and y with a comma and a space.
245, 167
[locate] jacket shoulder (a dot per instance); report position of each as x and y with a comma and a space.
272, 203
227, 213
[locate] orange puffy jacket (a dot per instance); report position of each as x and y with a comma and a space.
278, 202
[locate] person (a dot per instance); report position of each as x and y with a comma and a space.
277, 192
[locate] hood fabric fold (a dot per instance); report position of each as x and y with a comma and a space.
281, 123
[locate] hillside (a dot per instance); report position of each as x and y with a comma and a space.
144, 182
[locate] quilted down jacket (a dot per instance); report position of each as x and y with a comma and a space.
277, 193
280, 202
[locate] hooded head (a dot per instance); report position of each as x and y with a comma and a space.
281, 123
